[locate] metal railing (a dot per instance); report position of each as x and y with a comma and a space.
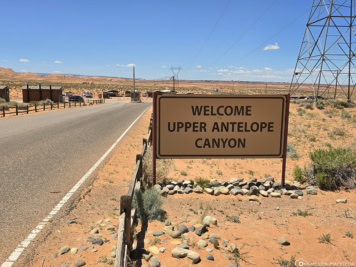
128, 216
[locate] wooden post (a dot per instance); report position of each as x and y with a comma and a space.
69, 103
17, 110
51, 106
3, 111
75, 103
58, 104
35, 107
139, 172
284, 163
125, 207
64, 103
27, 109
44, 106
154, 128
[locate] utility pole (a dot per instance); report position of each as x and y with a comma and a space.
174, 83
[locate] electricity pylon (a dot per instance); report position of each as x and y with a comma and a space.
326, 59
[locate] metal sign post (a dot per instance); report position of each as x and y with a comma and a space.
284, 163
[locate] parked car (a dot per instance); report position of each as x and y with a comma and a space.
76, 98
88, 94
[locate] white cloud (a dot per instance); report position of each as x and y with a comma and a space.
231, 66
198, 67
24, 60
164, 66
272, 47
268, 69
58, 62
128, 65
223, 70
202, 70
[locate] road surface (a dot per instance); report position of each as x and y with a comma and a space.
50, 152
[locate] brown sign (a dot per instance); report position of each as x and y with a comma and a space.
211, 126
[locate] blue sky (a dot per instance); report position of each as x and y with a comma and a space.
209, 39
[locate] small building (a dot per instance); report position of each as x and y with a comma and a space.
5, 93
42, 92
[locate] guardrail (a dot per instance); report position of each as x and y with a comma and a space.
128, 216
6, 110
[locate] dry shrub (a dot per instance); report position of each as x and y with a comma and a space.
162, 168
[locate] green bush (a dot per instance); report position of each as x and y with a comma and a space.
148, 205
203, 183
308, 106
342, 104
320, 105
332, 168
336, 131
292, 152
2, 100
46, 102
299, 175
345, 114
162, 168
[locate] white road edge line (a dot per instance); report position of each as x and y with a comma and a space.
24, 244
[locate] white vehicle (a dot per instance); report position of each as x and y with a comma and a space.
88, 94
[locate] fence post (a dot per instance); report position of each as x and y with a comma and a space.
139, 171
17, 110
3, 111
64, 103
80, 104
51, 106
69, 104
44, 106
35, 107
27, 109
57, 105
75, 103
125, 206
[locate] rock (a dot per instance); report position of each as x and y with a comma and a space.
157, 233
94, 250
147, 257
183, 245
172, 192
176, 234
210, 257
264, 193
176, 188
231, 248
153, 250
110, 228
283, 241
209, 250
198, 190
235, 191
294, 196
253, 191
205, 236
299, 192
224, 243
202, 244
233, 265
208, 191
64, 265
311, 190
72, 222
229, 186
167, 223
154, 262
244, 191
201, 230
214, 183
176, 242
84, 248
162, 249
267, 184
113, 254
275, 194
194, 256
73, 250
210, 220
270, 190
217, 192
64, 250
54, 255
98, 241
168, 229
179, 253
170, 187
188, 190
157, 187
253, 198
95, 231
182, 228
341, 200
79, 263
223, 190
191, 228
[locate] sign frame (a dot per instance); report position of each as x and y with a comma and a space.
283, 135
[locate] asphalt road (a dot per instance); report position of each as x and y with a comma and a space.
50, 152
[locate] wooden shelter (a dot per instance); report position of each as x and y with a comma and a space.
5, 93
40, 92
